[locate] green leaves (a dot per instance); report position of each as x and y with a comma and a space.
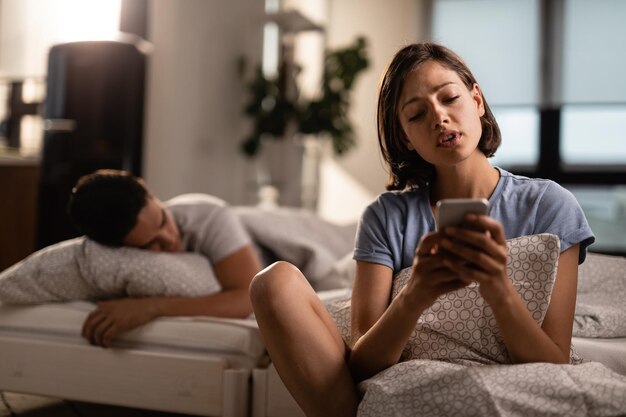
272, 111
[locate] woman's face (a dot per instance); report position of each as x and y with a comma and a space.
439, 115
155, 230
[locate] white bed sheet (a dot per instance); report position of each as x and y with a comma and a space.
237, 340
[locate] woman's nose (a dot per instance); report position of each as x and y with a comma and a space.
440, 118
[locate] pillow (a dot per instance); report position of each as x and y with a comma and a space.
81, 269
601, 292
460, 324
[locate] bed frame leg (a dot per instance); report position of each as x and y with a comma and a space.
259, 393
236, 393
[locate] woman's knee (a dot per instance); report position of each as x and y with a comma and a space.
275, 281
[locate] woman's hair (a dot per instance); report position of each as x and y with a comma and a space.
407, 168
104, 205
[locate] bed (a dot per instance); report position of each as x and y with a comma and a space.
599, 349
207, 367
196, 366
219, 367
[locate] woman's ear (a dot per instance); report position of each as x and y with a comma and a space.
477, 96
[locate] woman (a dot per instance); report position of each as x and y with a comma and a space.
436, 132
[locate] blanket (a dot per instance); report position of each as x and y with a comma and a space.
436, 388
320, 249
600, 307
456, 364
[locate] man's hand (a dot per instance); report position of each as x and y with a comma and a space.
113, 317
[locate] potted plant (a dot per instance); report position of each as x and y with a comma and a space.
276, 110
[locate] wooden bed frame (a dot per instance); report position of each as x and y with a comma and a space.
197, 384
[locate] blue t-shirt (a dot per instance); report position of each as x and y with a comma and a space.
391, 227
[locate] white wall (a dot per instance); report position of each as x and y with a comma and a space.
194, 123
29, 27
388, 25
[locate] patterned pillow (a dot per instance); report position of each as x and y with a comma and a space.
460, 324
81, 269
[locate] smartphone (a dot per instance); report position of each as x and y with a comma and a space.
452, 211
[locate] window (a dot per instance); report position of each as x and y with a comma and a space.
519, 127
593, 135
593, 117
553, 74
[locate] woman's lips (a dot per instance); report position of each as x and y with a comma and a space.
449, 139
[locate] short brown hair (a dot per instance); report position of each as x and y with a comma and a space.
105, 204
407, 168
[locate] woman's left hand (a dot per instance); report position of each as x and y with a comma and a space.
478, 253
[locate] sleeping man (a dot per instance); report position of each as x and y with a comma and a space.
115, 208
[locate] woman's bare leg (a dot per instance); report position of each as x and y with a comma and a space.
303, 342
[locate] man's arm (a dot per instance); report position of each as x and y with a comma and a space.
234, 273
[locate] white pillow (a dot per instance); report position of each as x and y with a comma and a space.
81, 269
460, 324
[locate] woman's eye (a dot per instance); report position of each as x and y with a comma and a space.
417, 116
451, 99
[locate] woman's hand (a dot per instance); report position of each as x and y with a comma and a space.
113, 317
431, 276
478, 254
482, 257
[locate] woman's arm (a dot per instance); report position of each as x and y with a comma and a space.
525, 340
380, 329
234, 273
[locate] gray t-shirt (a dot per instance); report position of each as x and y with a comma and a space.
391, 227
208, 226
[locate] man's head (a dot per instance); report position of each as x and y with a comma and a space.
115, 208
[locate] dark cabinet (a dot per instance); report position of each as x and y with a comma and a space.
93, 115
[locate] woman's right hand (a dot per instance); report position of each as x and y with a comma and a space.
430, 278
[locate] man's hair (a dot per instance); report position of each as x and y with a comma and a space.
104, 205
407, 168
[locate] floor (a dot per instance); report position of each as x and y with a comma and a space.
22, 405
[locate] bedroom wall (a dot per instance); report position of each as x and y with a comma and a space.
402, 23
193, 116
361, 171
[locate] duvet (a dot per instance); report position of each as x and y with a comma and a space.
456, 364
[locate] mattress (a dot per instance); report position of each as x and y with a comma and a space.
237, 340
